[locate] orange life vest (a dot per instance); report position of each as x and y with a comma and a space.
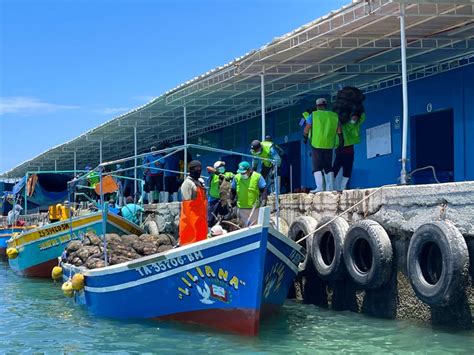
193, 219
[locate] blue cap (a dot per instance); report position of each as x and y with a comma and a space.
243, 167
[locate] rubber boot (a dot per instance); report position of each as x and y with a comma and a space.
150, 198
175, 197
344, 182
166, 197
318, 179
329, 177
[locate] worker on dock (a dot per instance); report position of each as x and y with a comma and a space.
217, 176
153, 169
249, 191
323, 127
193, 218
265, 150
348, 136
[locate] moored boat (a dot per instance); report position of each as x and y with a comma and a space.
38, 249
229, 282
5, 234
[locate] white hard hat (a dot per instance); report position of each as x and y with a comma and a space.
218, 164
218, 230
321, 101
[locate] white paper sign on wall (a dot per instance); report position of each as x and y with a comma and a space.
379, 140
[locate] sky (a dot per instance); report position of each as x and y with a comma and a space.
66, 66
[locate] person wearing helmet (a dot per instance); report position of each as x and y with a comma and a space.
153, 164
249, 191
217, 175
322, 125
193, 217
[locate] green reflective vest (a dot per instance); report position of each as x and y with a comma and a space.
351, 132
248, 193
93, 178
324, 129
266, 153
214, 191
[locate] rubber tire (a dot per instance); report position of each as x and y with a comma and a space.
283, 224
300, 227
335, 270
151, 227
376, 238
455, 263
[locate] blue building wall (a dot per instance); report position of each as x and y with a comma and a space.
453, 89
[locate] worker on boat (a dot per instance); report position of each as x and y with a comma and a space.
153, 165
193, 218
131, 211
265, 150
112, 207
217, 177
348, 136
12, 216
323, 127
92, 177
249, 192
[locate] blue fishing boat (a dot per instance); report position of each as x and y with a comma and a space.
229, 282
37, 250
5, 234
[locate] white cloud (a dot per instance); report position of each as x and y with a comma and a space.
29, 105
112, 110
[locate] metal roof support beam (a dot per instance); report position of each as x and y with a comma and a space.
185, 141
403, 172
262, 90
135, 150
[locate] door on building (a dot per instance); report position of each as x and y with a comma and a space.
290, 166
432, 144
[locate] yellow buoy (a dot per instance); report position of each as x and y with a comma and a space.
67, 289
57, 272
78, 282
12, 253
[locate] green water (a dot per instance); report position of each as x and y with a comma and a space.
35, 317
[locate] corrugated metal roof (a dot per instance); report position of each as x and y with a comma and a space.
356, 45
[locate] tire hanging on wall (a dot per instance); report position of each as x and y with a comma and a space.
368, 254
327, 248
300, 227
438, 263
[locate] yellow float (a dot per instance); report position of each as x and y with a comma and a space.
67, 289
77, 282
12, 253
57, 272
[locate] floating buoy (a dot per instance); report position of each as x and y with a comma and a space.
67, 289
77, 282
12, 253
57, 272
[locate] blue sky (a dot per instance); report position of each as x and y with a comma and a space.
67, 66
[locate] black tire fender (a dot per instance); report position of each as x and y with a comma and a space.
438, 263
327, 248
368, 254
301, 227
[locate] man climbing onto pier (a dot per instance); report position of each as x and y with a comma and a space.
249, 193
131, 211
217, 176
193, 218
323, 127
266, 150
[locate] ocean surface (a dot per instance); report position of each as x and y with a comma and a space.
35, 317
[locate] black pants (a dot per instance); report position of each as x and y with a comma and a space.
154, 183
344, 161
322, 159
171, 184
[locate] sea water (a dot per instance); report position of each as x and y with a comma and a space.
36, 317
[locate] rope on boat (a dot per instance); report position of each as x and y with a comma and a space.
344, 212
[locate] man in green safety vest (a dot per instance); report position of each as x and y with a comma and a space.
266, 150
348, 135
323, 127
249, 192
218, 206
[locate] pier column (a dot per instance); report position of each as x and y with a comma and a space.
185, 142
403, 44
